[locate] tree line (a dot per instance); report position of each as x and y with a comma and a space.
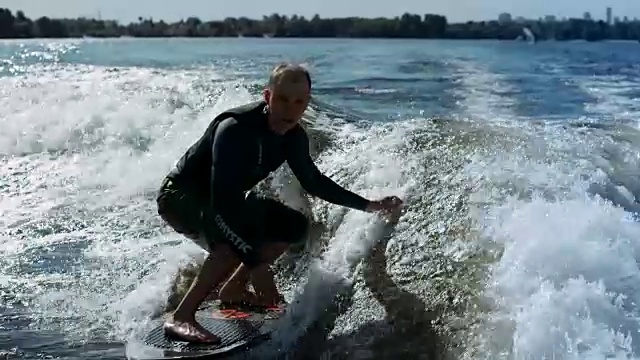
275, 25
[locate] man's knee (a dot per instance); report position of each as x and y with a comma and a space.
272, 251
224, 250
231, 232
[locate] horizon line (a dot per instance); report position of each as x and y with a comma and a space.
514, 18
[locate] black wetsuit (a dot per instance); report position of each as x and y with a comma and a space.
208, 193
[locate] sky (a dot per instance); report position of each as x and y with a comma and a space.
455, 10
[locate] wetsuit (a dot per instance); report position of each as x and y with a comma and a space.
207, 195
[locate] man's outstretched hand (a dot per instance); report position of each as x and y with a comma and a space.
390, 205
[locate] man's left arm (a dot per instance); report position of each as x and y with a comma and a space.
312, 180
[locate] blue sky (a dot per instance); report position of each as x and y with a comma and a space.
455, 10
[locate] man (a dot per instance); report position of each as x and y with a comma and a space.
208, 198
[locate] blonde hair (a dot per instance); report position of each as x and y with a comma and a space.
290, 73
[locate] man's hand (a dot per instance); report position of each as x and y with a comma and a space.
390, 205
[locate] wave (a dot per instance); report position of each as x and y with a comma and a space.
511, 228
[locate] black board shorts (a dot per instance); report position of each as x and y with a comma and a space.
266, 221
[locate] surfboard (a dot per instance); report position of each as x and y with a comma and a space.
239, 329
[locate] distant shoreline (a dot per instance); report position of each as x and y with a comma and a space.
407, 26
304, 38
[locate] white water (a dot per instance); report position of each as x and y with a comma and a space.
120, 266
376, 169
120, 135
566, 286
568, 278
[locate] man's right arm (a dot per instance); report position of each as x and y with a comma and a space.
228, 169
227, 159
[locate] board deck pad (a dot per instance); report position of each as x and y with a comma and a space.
236, 327
242, 314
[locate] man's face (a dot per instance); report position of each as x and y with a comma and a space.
287, 102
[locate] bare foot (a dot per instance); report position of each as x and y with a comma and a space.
271, 300
249, 298
189, 331
212, 296
246, 297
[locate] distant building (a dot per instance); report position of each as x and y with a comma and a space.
550, 18
504, 18
587, 15
609, 13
